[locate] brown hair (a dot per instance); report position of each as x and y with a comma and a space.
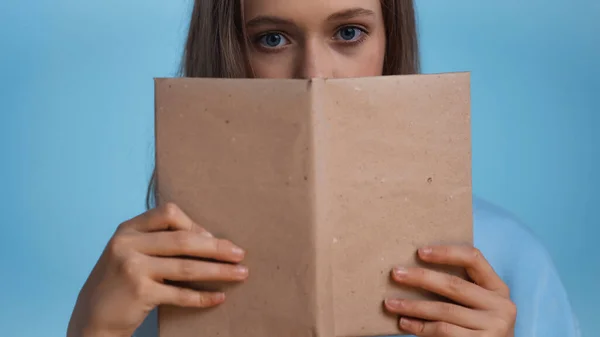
215, 46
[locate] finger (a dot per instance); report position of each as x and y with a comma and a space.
164, 218
449, 286
174, 269
438, 311
434, 329
183, 243
183, 297
470, 258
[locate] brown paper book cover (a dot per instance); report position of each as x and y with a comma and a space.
326, 183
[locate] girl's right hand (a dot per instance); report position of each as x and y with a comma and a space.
127, 283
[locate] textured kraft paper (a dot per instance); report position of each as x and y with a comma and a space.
327, 184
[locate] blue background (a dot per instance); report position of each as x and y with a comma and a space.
76, 127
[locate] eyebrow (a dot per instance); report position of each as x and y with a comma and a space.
350, 14
268, 20
339, 16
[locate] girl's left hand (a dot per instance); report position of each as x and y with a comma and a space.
483, 306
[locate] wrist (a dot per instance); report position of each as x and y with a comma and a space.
82, 330
91, 332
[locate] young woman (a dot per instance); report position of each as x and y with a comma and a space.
509, 270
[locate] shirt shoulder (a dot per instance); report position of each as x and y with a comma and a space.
525, 265
148, 328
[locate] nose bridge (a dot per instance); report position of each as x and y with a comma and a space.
316, 60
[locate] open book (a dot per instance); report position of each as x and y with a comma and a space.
326, 183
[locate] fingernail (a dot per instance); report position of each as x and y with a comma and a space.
405, 323
242, 270
237, 251
400, 271
426, 250
219, 297
393, 302
240, 273
207, 234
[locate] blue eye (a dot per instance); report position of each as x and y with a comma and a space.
272, 40
349, 34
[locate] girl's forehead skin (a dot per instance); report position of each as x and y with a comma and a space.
309, 12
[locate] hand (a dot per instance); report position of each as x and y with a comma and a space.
128, 280
483, 306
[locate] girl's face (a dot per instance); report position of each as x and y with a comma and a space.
315, 38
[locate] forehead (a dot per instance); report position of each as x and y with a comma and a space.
305, 10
